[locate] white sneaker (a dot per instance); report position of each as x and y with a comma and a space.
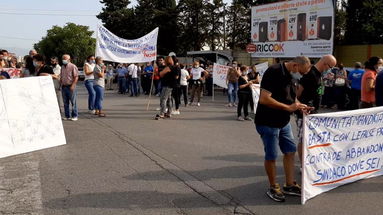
92, 111
198, 104
65, 119
74, 119
176, 112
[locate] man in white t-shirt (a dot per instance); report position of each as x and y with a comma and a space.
132, 71
197, 74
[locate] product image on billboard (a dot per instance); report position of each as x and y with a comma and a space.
292, 28
324, 27
301, 35
273, 30
263, 32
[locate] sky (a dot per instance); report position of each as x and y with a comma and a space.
25, 22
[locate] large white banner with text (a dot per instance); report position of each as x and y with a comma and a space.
293, 28
340, 148
116, 49
29, 116
220, 74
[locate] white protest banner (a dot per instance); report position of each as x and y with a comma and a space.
293, 28
220, 74
261, 68
29, 116
116, 49
255, 92
340, 148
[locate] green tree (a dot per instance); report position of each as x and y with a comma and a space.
192, 22
364, 22
72, 39
165, 17
215, 16
118, 18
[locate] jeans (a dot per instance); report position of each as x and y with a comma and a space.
99, 96
91, 93
165, 100
121, 84
232, 89
69, 96
134, 86
272, 137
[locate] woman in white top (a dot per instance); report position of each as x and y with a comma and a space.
198, 74
184, 84
89, 81
99, 85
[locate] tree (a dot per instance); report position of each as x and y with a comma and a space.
118, 18
215, 16
192, 22
165, 17
364, 22
72, 39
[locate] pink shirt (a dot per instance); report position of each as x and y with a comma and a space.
68, 73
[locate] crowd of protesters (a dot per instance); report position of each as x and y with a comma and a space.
297, 86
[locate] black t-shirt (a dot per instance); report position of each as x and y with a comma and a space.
45, 69
170, 78
310, 83
278, 81
245, 90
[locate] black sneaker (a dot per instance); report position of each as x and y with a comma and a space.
275, 193
293, 190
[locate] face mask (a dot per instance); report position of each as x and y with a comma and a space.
101, 64
380, 68
35, 64
195, 66
296, 75
92, 62
65, 62
245, 73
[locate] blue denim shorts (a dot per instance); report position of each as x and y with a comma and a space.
272, 137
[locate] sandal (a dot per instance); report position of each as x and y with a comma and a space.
101, 115
167, 115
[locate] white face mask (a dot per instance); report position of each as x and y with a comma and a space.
380, 68
296, 75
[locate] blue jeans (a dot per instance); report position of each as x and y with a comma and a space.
91, 93
134, 85
272, 137
99, 96
232, 89
121, 84
69, 96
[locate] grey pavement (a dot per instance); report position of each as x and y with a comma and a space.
203, 161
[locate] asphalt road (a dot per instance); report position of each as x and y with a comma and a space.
203, 161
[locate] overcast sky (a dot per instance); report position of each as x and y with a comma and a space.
25, 22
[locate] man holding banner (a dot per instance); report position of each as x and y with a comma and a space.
309, 92
277, 102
